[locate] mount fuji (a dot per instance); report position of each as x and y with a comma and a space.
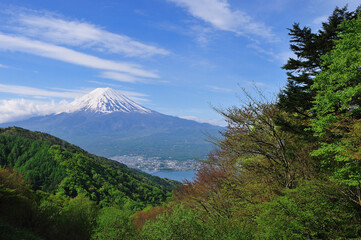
109, 124
106, 100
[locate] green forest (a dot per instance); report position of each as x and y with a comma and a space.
57, 190
286, 168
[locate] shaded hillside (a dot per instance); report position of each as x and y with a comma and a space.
56, 166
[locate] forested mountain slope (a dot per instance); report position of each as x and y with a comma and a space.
56, 166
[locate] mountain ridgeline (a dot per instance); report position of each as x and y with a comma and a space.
106, 123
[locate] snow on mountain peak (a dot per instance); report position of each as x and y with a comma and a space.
106, 100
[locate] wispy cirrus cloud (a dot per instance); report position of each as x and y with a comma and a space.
271, 55
200, 33
37, 92
62, 93
219, 122
124, 77
105, 84
319, 20
48, 35
220, 89
121, 77
39, 48
255, 84
79, 33
219, 14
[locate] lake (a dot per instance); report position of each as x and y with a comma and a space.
174, 175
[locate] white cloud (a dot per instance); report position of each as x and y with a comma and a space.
105, 84
25, 45
30, 91
319, 20
76, 33
219, 122
20, 109
64, 93
280, 56
255, 84
202, 34
219, 14
121, 77
3, 66
284, 56
220, 89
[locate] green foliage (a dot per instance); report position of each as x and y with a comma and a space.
308, 47
31, 157
16, 199
179, 223
76, 185
254, 140
78, 218
24, 212
55, 166
309, 212
9, 232
114, 223
337, 106
263, 183
338, 86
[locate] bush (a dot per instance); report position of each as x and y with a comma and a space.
114, 223
308, 212
179, 223
78, 218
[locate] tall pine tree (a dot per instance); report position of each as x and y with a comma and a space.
296, 98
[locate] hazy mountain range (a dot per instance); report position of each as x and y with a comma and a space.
107, 123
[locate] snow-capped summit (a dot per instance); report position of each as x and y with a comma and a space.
106, 100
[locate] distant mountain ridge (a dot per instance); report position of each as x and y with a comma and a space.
108, 124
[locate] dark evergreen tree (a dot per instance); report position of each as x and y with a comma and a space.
297, 96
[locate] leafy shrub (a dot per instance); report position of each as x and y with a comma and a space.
179, 223
114, 223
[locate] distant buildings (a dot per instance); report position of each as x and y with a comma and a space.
156, 163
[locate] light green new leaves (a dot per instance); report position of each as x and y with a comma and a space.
338, 104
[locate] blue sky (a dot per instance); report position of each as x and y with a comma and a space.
178, 57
